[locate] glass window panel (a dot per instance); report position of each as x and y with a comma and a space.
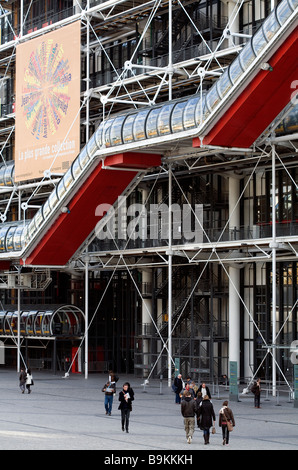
98, 135
38, 218
106, 132
235, 70
212, 98
60, 189
9, 238
76, 168
177, 116
31, 229
3, 232
189, 113
68, 179
83, 157
151, 123
139, 125
284, 11
53, 198
200, 110
2, 173
270, 26
18, 238
293, 3
8, 176
116, 131
247, 56
92, 146
46, 209
259, 41
127, 128
163, 120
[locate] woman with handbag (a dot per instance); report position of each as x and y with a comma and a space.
226, 422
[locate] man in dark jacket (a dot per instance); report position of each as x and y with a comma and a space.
178, 386
188, 411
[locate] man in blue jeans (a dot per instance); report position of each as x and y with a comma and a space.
110, 390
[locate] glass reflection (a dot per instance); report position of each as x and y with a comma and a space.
83, 157
151, 124
76, 168
177, 116
2, 173
127, 128
247, 56
270, 26
212, 98
92, 146
139, 125
18, 245
284, 11
116, 131
106, 132
68, 179
235, 70
259, 41
9, 238
163, 120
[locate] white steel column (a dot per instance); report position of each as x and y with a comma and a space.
86, 313
234, 278
273, 246
19, 323
146, 320
170, 257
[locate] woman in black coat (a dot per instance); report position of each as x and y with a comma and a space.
126, 396
205, 415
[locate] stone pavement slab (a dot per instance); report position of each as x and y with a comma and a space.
68, 414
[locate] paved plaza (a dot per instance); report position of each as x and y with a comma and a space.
68, 414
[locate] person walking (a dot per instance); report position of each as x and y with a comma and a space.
22, 379
225, 418
204, 389
256, 390
126, 396
188, 411
206, 415
109, 389
29, 380
177, 388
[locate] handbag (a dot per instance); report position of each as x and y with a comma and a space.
213, 430
229, 424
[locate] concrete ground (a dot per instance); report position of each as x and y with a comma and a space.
68, 414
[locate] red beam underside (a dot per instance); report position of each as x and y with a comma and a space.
70, 230
263, 99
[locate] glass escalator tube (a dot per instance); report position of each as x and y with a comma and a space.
3, 231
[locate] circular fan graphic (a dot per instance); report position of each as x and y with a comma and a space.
45, 91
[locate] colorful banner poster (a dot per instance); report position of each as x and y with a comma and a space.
47, 131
